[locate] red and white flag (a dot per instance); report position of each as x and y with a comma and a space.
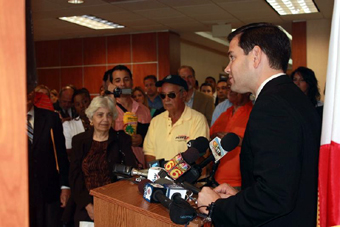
329, 163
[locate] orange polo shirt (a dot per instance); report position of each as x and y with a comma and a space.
228, 170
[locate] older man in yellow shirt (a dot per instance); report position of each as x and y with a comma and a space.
170, 131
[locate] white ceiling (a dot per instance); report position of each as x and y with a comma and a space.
181, 16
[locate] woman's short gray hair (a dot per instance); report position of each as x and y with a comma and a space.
104, 102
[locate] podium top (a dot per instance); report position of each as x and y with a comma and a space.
125, 194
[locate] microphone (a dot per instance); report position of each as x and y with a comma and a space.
181, 212
155, 193
219, 147
180, 164
229, 142
128, 171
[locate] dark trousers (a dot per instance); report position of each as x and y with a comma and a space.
45, 214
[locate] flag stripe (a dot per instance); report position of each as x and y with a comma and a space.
329, 161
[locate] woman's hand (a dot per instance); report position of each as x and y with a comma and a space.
90, 210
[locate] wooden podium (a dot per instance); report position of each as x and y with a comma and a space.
120, 204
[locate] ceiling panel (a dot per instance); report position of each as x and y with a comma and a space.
121, 16
142, 5
200, 9
181, 16
173, 3
160, 13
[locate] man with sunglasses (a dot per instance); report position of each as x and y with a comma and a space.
170, 131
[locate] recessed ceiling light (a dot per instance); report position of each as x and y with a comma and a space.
290, 7
75, 1
91, 22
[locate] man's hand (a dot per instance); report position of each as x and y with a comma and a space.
90, 210
225, 190
111, 87
64, 196
137, 140
205, 198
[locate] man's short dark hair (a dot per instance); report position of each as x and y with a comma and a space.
210, 77
108, 73
222, 80
207, 84
187, 67
80, 92
152, 77
270, 38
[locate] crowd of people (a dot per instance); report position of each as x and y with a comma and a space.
74, 141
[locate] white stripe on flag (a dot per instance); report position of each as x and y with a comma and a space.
331, 111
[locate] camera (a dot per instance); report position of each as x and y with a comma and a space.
117, 92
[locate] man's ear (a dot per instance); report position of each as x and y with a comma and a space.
184, 95
257, 56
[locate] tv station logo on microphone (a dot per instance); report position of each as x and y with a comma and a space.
176, 167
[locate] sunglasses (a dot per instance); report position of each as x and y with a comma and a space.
171, 95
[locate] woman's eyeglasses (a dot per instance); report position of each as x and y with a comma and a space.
171, 95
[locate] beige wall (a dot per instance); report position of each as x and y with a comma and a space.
204, 61
318, 34
210, 63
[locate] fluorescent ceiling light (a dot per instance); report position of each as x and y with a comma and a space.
208, 35
290, 7
91, 22
75, 1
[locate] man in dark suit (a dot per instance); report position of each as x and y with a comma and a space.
64, 104
279, 156
48, 166
195, 99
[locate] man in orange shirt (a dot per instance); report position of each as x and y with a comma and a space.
234, 119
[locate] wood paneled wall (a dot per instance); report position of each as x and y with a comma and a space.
83, 61
299, 44
13, 137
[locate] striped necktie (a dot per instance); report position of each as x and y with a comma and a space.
29, 128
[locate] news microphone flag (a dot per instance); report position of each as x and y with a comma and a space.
329, 160
216, 149
176, 167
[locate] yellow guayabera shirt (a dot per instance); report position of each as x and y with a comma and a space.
165, 140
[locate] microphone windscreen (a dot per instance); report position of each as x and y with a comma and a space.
190, 143
230, 141
181, 212
201, 144
191, 155
142, 184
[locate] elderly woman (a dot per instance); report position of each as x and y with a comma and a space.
81, 100
234, 119
94, 152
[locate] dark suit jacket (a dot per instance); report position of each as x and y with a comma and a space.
204, 104
279, 162
44, 179
57, 107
